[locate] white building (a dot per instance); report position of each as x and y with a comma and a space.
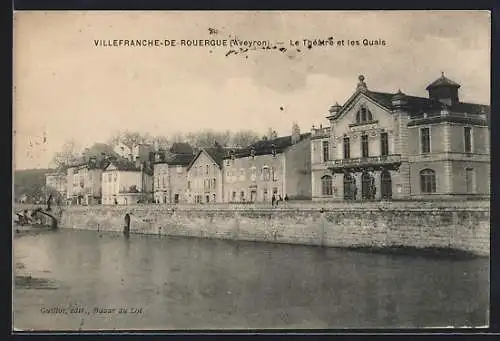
125, 182
131, 153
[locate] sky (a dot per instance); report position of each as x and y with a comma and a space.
66, 88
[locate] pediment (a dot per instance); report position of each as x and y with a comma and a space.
111, 167
362, 114
357, 101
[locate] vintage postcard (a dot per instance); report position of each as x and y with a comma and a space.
185, 170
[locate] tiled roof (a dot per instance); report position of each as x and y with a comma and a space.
264, 147
179, 159
123, 164
216, 153
181, 148
442, 81
417, 105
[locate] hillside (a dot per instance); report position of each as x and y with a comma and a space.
29, 182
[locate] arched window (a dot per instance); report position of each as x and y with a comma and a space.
427, 181
363, 115
326, 185
266, 173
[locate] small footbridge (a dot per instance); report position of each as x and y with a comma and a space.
46, 217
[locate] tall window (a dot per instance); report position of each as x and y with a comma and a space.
347, 148
468, 139
273, 174
253, 174
384, 144
469, 180
427, 181
364, 145
265, 173
326, 185
325, 151
363, 115
425, 140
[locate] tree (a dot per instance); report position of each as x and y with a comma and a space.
129, 138
69, 154
244, 138
98, 149
161, 142
178, 137
56, 195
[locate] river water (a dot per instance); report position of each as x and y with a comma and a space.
71, 280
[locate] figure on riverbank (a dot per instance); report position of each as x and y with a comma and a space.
49, 202
126, 228
273, 200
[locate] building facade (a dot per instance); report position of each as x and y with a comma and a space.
204, 177
396, 146
171, 179
84, 182
279, 167
125, 183
57, 182
131, 153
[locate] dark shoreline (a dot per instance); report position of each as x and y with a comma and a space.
408, 251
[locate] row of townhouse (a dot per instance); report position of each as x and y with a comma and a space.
275, 166
378, 146
121, 178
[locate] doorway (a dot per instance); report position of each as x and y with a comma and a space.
385, 185
349, 187
367, 186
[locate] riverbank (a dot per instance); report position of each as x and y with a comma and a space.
456, 226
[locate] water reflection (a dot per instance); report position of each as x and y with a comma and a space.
192, 283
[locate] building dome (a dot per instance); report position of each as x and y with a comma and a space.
443, 82
444, 90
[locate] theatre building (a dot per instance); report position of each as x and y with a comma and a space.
395, 146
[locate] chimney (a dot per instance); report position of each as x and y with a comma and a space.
295, 133
138, 162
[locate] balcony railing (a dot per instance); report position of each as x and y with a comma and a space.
376, 162
320, 131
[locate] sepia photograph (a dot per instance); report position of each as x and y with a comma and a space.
250, 170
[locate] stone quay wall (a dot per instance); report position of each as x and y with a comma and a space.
454, 225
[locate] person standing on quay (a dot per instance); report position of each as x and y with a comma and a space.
273, 200
49, 202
